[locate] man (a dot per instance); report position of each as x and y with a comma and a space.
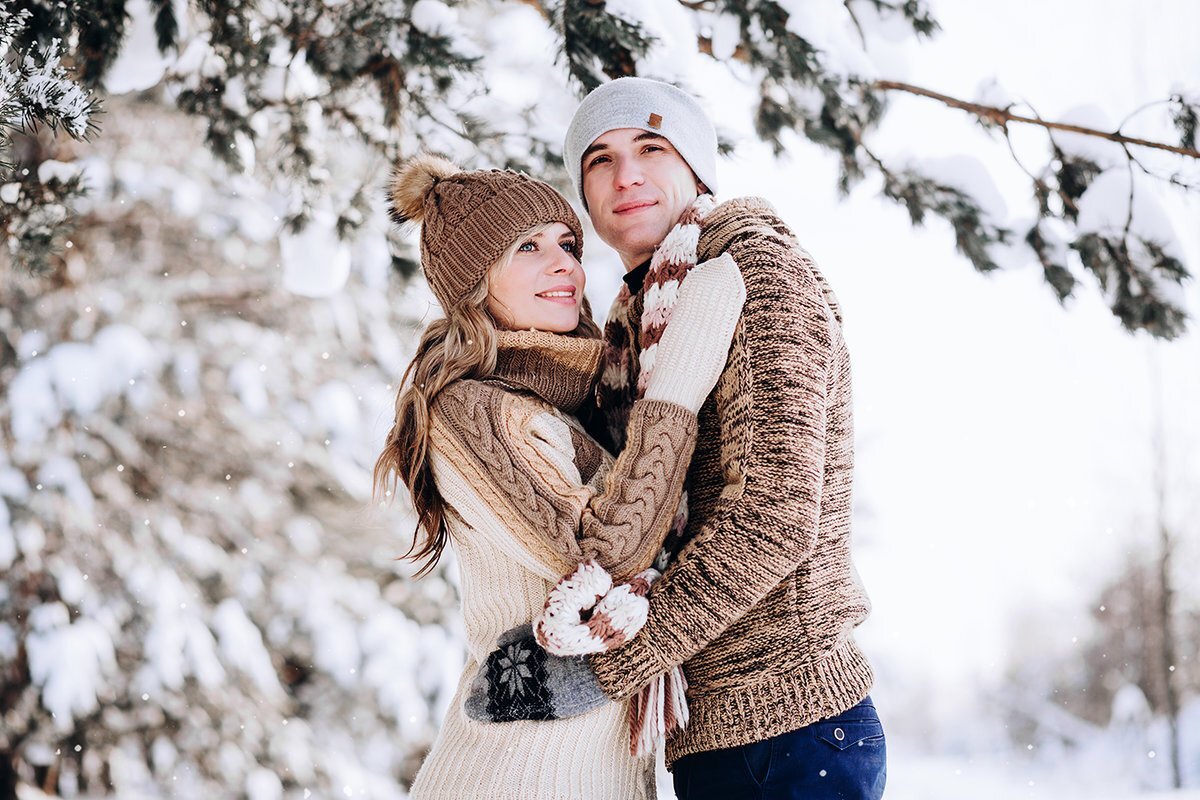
760, 604
760, 600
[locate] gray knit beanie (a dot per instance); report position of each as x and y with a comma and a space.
652, 106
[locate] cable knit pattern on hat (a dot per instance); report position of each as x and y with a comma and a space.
469, 217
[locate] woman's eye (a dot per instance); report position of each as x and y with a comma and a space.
527, 247
567, 246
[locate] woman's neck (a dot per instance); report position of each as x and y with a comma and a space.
560, 369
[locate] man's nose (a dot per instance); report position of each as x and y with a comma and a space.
628, 173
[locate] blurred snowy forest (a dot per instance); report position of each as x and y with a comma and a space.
203, 314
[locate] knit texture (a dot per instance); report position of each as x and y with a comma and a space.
761, 603
708, 314
520, 680
470, 217
649, 105
587, 613
531, 496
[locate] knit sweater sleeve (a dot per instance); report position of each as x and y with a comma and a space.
521, 455
765, 522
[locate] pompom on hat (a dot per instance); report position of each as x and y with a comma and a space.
468, 218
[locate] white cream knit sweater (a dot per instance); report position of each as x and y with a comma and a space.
530, 495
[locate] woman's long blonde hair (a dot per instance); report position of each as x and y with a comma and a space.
461, 345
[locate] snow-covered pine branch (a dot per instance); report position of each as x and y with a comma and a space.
291, 90
36, 91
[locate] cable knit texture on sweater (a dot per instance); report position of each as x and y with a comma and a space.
761, 603
531, 495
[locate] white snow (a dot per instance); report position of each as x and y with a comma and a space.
991, 93
77, 378
1100, 151
673, 55
178, 643
262, 784
1105, 209
68, 661
335, 405
826, 25
246, 380
726, 34
315, 262
62, 171
62, 473
48, 88
434, 17
242, 648
139, 65
8, 544
969, 176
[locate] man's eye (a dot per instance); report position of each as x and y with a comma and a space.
653, 148
597, 160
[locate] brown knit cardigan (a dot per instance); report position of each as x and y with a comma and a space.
761, 604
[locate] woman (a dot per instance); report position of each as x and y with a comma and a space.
485, 440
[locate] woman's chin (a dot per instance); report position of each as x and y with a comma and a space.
562, 324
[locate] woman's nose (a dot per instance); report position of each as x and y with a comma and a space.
563, 263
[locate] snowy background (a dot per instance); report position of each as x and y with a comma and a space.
1014, 457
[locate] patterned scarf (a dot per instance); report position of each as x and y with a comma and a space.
620, 382
661, 707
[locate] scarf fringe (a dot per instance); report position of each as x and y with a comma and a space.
657, 711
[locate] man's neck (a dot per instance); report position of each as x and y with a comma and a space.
632, 261
635, 278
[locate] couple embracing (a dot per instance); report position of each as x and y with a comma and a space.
652, 521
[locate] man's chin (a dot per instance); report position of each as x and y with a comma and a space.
636, 239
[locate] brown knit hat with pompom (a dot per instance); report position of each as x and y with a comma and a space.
469, 218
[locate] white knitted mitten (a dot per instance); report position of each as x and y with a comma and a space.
695, 344
585, 613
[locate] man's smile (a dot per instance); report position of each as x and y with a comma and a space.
633, 206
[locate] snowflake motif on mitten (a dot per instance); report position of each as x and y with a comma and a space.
517, 685
515, 672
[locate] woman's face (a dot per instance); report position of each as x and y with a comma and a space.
542, 286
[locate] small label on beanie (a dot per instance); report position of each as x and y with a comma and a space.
655, 121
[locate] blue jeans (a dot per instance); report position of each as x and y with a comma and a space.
840, 758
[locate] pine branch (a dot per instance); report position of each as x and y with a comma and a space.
1003, 116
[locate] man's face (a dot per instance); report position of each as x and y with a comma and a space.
637, 187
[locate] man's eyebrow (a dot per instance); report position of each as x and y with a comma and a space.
592, 149
641, 137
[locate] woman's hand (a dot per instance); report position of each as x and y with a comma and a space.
520, 680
